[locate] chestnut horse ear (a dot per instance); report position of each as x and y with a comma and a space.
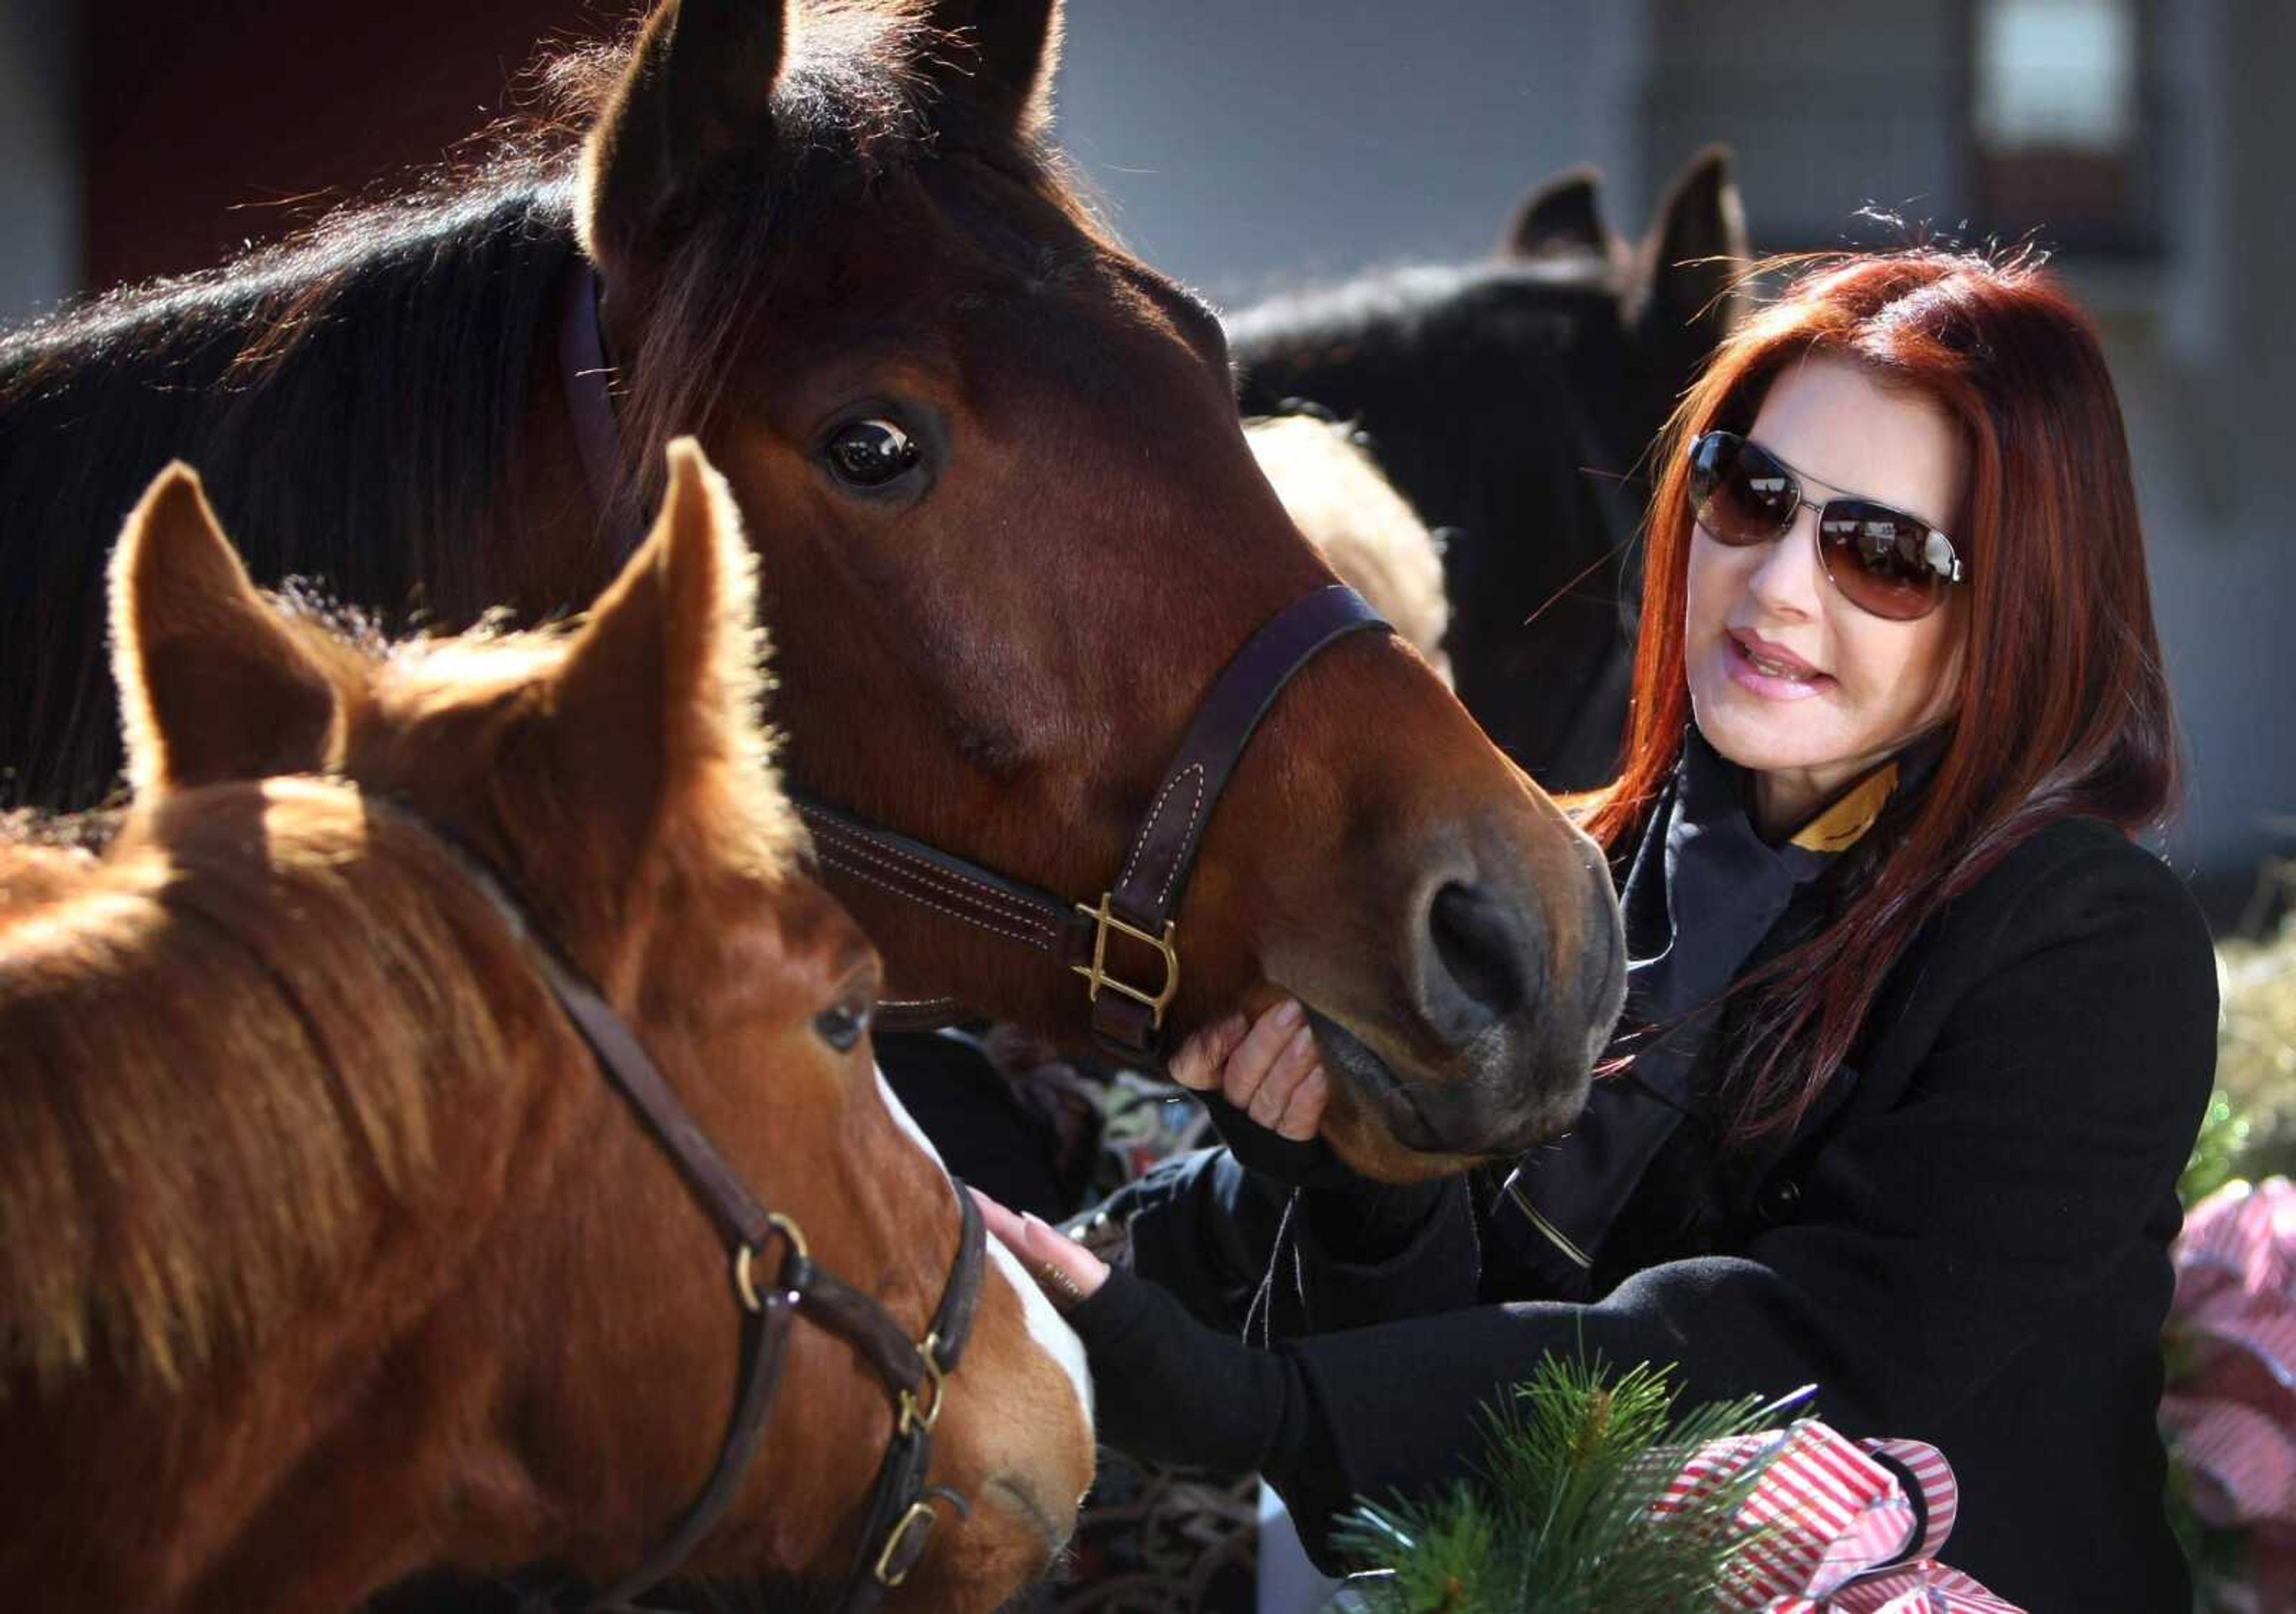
698, 90
1691, 263
1014, 51
662, 686
213, 685
1559, 217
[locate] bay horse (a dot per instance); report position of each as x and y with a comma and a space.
326, 1253
1011, 530
1512, 401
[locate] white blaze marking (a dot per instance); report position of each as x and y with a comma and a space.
1046, 1327
907, 1122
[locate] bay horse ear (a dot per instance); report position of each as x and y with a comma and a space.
1015, 52
213, 685
662, 684
1561, 217
1691, 265
698, 90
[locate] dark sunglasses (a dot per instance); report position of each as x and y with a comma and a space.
1883, 561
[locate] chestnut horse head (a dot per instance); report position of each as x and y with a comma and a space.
329, 1253
993, 463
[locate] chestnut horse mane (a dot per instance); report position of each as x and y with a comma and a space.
231, 1036
441, 302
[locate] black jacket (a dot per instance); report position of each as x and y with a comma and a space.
1965, 1243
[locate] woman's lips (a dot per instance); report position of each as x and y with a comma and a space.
1772, 675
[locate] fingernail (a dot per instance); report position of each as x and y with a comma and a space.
1302, 1040
1289, 1012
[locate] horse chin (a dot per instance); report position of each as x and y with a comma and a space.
1386, 1128
1056, 1525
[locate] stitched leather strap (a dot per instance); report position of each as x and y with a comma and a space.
962, 891
1163, 855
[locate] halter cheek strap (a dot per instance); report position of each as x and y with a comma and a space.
897, 1520
1125, 946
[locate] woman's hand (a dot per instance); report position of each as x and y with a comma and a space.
1065, 1270
1266, 1067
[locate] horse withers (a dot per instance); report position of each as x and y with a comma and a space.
327, 1250
1011, 531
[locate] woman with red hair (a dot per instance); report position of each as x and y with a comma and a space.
1917, 1039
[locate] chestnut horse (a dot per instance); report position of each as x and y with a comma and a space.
326, 1252
993, 461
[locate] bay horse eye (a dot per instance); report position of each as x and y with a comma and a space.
872, 453
841, 1027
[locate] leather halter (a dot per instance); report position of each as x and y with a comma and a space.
898, 1522
1135, 915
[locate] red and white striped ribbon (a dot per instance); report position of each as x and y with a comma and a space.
1840, 1535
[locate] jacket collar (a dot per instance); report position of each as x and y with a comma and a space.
1703, 897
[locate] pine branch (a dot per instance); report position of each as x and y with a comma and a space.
1565, 1519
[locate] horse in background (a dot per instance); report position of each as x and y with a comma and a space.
991, 460
1512, 401
326, 1252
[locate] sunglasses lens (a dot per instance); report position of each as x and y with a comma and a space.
1739, 494
1881, 558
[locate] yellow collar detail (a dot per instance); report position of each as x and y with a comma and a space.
1840, 826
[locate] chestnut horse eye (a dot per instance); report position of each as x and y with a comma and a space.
872, 453
841, 1027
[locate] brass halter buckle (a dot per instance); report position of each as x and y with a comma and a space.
1096, 971
920, 1516
922, 1410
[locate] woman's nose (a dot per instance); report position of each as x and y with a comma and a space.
1787, 581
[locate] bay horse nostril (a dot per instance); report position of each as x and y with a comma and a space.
1483, 965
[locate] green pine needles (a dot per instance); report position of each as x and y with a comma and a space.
1563, 1522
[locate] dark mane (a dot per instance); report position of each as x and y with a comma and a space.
433, 304
1400, 295
400, 346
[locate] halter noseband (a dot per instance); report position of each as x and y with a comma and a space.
1135, 914
898, 1521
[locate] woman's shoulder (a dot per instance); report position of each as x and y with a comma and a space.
2073, 906
2079, 954
2076, 875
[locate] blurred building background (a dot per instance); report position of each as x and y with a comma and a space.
1248, 145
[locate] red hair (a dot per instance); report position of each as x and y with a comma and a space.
2063, 709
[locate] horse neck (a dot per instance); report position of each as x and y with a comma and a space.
388, 420
361, 1446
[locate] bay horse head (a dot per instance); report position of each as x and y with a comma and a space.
1014, 534
327, 1250
1011, 530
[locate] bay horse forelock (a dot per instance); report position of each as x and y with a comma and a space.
853, 225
